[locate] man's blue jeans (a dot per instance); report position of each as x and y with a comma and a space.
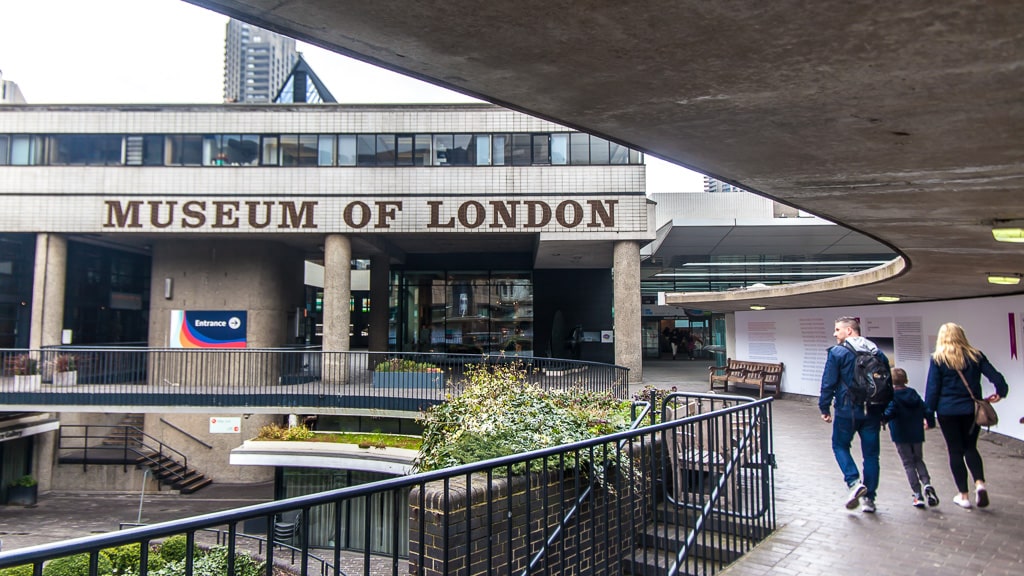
868, 428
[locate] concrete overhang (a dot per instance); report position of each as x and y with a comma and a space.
902, 120
397, 461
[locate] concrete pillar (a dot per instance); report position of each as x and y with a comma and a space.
48, 281
337, 292
626, 285
380, 275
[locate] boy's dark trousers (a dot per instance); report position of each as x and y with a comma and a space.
912, 456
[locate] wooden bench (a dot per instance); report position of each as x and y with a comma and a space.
742, 373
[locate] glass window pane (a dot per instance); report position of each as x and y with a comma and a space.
579, 148
635, 157
422, 150
212, 151
385, 149
325, 151
541, 154
308, 149
559, 148
501, 149
289, 150
403, 150
192, 150
442, 146
459, 155
619, 154
152, 150
366, 149
483, 149
247, 151
520, 149
4, 148
24, 150
598, 150
347, 150
270, 155
85, 149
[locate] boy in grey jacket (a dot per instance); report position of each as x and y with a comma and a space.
907, 417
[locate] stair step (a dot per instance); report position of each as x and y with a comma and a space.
718, 546
197, 482
672, 515
645, 562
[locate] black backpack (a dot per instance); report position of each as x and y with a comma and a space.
872, 380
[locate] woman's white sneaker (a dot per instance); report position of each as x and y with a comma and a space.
961, 501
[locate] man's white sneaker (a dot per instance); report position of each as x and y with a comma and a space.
867, 505
856, 492
961, 501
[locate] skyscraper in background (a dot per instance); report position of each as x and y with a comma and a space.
9, 92
256, 62
712, 185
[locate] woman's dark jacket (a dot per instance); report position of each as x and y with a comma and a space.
946, 395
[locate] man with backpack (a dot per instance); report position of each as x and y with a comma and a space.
858, 380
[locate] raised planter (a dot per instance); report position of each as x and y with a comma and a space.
22, 495
69, 378
27, 382
408, 379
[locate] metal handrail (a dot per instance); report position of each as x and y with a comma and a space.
265, 380
627, 492
129, 434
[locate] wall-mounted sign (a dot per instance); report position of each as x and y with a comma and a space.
222, 425
208, 329
607, 336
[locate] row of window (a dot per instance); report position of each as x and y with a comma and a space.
516, 149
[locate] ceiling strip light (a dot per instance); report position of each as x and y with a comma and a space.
1004, 279
888, 298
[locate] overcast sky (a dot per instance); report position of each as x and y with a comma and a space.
169, 51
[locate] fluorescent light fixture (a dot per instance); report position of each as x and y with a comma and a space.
1006, 279
757, 307
743, 274
802, 263
1008, 230
888, 298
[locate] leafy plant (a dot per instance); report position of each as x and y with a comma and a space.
124, 560
213, 563
23, 570
65, 363
173, 549
275, 432
77, 565
405, 365
23, 365
25, 481
499, 413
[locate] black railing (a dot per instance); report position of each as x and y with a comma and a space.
308, 380
129, 445
686, 495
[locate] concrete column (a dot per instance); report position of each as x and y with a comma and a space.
337, 292
48, 281
380, 275
626, 284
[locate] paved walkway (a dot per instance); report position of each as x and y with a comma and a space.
816, 534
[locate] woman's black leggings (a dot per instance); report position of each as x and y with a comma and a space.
961, 434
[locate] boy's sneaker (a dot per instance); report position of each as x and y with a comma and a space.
918, 502
930, 495
867, 505
961, 501
981, 495
856, 492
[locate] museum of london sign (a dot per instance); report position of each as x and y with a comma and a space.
377, 215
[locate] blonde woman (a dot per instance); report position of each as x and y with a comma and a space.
948, 397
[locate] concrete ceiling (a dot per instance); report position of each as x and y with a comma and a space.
902, 120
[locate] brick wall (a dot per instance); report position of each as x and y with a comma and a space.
501, 524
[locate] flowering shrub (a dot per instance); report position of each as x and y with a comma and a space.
22, 365
65, 363
275, 432
499, 413
405, 365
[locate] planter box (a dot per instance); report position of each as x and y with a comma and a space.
65, 378
408, 379
22, 495
24, 383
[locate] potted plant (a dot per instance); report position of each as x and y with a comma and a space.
65, 370
26, 372
23, 491
406, 373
